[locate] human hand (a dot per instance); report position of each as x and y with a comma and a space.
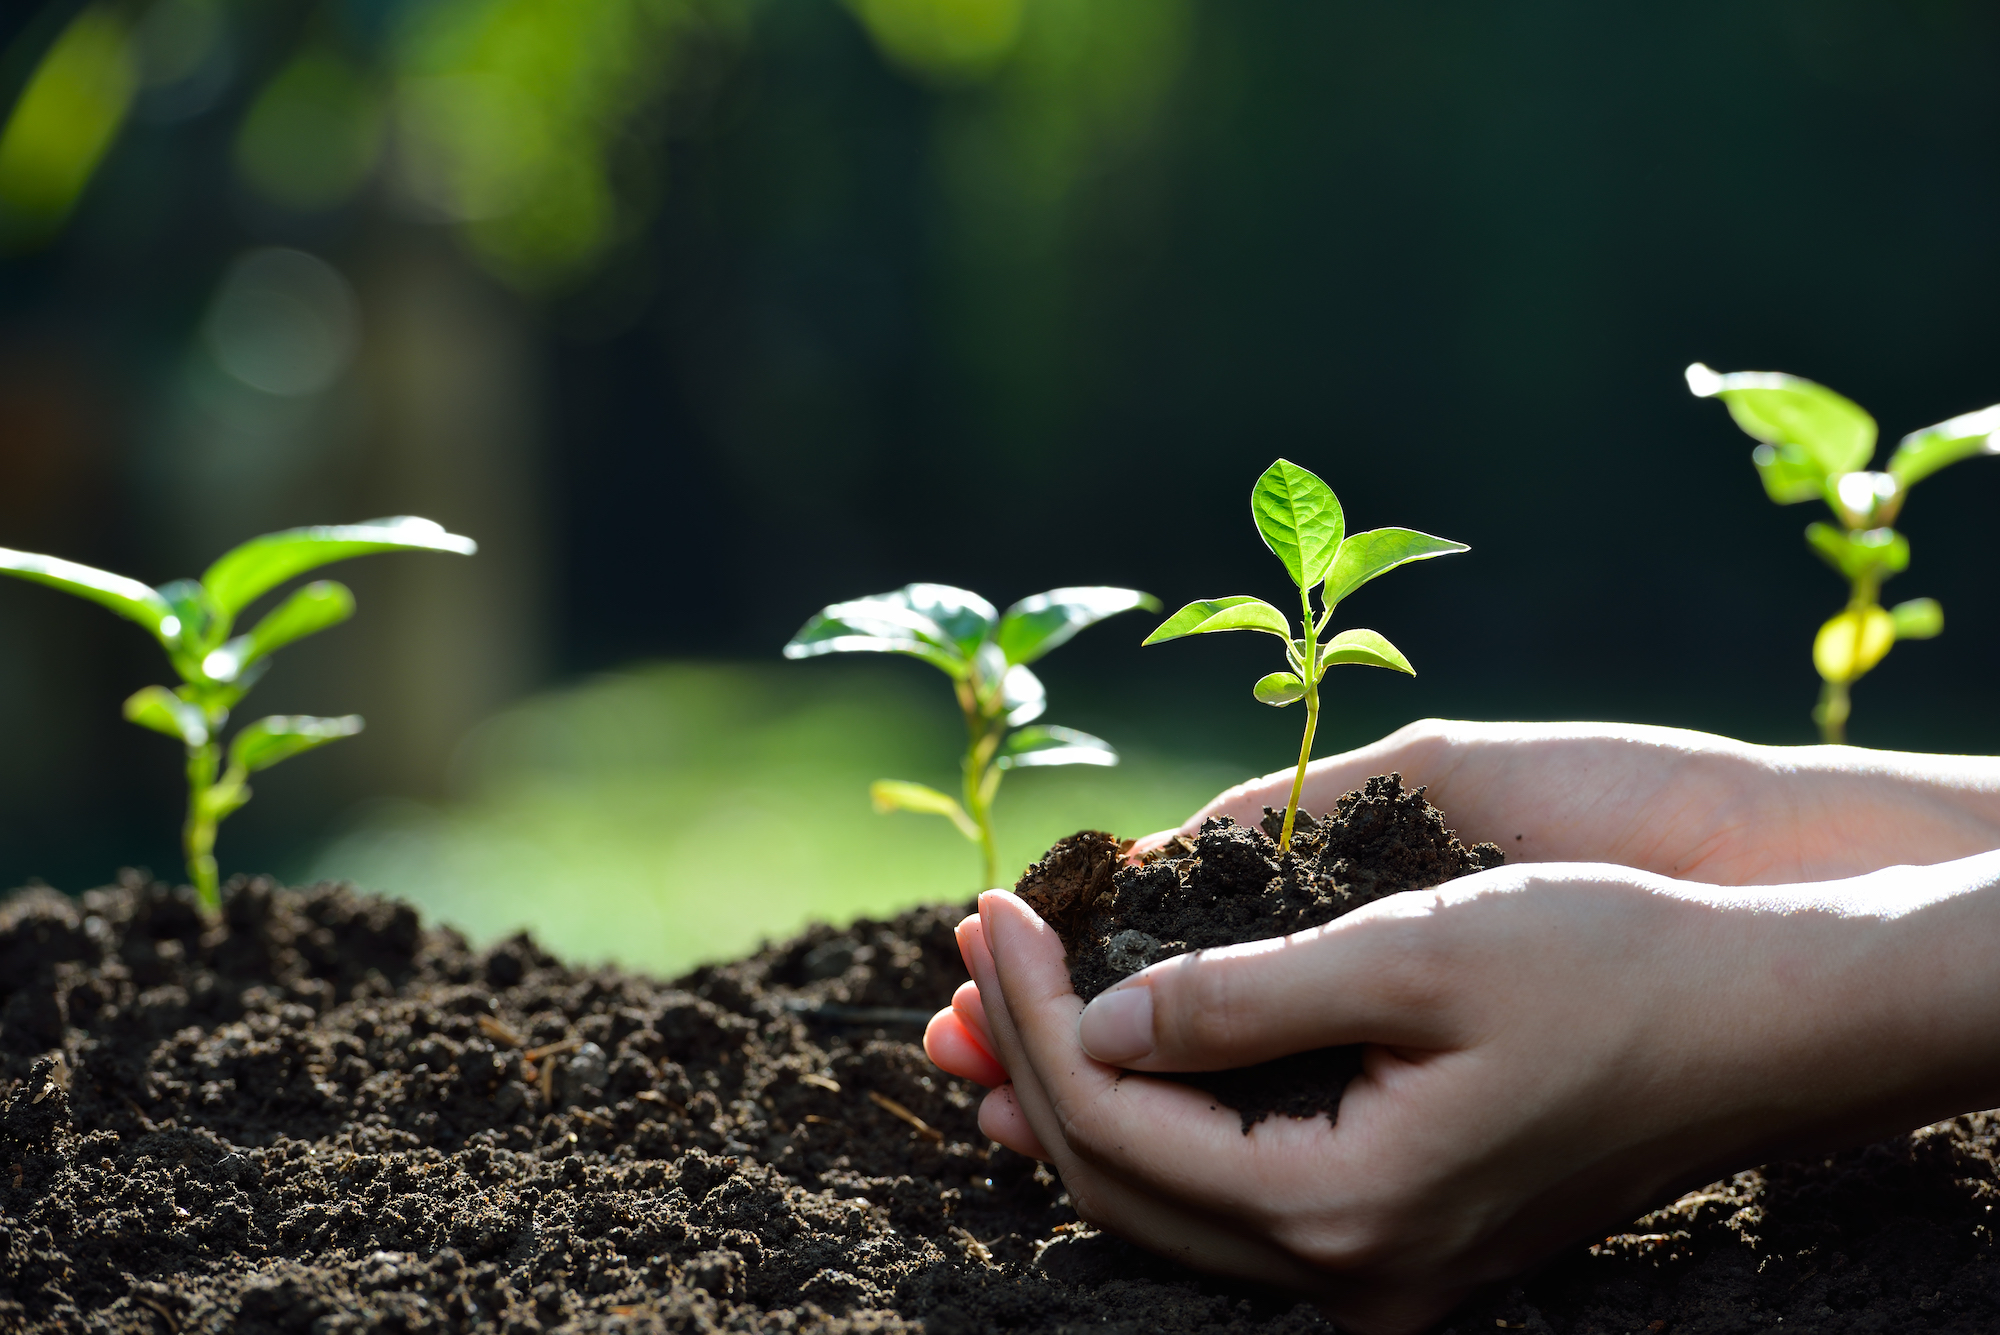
1549, 1051
1683, 804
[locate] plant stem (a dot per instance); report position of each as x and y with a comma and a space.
198, 835
1309, 666
982, 740
1831, 713
1299, 779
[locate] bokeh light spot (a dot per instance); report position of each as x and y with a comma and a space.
312, 135
283, 322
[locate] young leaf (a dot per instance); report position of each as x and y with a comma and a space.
963, 616
1880, 550
160, 709
127, 597
1300, 519
281, 736
898, 795
1280, 689
1052, 745
1363, 556
195, 612
261, 564
1852, 642
1922, 453
1835, 434
1046, 621
1364, 647
1236, 612
882, 624
1918, 619
315, 607
1788, 473
1022, 696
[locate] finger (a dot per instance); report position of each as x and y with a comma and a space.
1001, 1119
1147, 843
1378, 975
971, 1012
954, 1048
967, 926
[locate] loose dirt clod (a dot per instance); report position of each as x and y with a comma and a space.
301, 1124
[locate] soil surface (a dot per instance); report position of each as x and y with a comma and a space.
325, 1117
1230, 884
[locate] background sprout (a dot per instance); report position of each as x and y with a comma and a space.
192, 620
1302, 523
1815, 445
986, 655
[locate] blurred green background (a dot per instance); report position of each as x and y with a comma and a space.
699, 314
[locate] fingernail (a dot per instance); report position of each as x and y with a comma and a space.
1118, 1026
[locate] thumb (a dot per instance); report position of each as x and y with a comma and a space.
1377, 975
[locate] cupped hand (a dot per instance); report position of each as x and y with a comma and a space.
1682, 804
1549, 1051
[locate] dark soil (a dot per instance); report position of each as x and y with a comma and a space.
1230, 884
327, 1118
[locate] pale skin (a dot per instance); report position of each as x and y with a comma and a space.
1554, 1046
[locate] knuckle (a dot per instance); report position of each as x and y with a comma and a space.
1417, 964
1202, 1011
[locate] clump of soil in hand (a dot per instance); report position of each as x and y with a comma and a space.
1230, 884
325, 1117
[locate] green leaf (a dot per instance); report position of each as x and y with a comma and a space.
1210, 615
1788, 473
160, 709
882, 624
1053, 745
1918, 619
315, 607
1880, 551
898, 795
1300, 519
281, 736
1835, 435
1365, 555
127, 597
963, 616
261, 564
1922, 453
1364, 647
1280, 689
1022, 696
1852, 642
1046, 621
195, 612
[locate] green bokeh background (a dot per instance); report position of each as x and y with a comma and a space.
699, 314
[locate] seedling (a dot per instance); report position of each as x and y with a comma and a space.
986, 655
1815, 445
1302, 523
192, 620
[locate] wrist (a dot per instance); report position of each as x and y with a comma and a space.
1867, 809
1882, 1002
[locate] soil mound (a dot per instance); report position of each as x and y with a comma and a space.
327, 1118
1230, 884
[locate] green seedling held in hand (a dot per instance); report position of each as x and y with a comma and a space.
1815, 445
192, 620
1301, 521
986, 655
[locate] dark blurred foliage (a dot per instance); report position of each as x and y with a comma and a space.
767, 304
